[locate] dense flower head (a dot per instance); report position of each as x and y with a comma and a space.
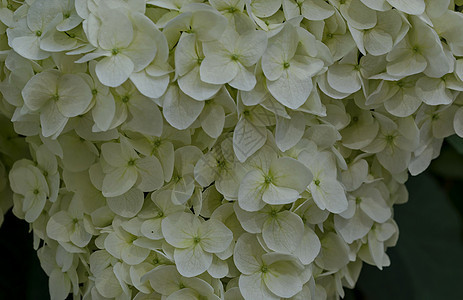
221, 149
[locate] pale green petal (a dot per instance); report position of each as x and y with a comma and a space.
244, 79
51, 120
80, 237
253, 287
59, 226
134, 255
113, 155
358, 15
215, 236
284, 232
353, 228
282, 279
201, 23
128, 204
179, 229
150, 171
433, 91
288, 172
316, 10
375, 206
458, 122
150, 86
412, 7
251, 190
114, 70
334, 252
276, 195
309, 246
142, 48
39, 89
218, 268
289, 132
116, 31
179, 109
213, 120
192, 85
192, 261
247, 254
218, 68
344, 78
146, 117
119, 181
251, 46
59, 285
152, 229
292, 89
28, 46
247, 139
329, 194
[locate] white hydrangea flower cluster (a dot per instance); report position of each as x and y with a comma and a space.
222, 149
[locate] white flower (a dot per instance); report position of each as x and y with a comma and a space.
57, 97
195, 242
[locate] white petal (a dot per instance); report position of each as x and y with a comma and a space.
215, 236
309, 246
433, 91
253, 287
250, 191
282, 279
74, 95
128, 204
276, 195
284, 232
179, 109
179, 229
39, 89
146, 117
192, 85
247, 254
412, 7
114, 70
329, 194
213, 120
192, 261
116, 30
292, 89
150, 170
119, 181
150, 86
51, 120
247, 139
29, 47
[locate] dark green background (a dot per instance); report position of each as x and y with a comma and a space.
427, 262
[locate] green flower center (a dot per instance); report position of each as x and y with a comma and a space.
114, 51
286, 65
196, 240
94, 91
38, 33
131, 162
36, 191
125, 99
317, 182
264, 269
235, 57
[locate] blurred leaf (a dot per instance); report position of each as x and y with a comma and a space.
456, 142
449, 164
427, 262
